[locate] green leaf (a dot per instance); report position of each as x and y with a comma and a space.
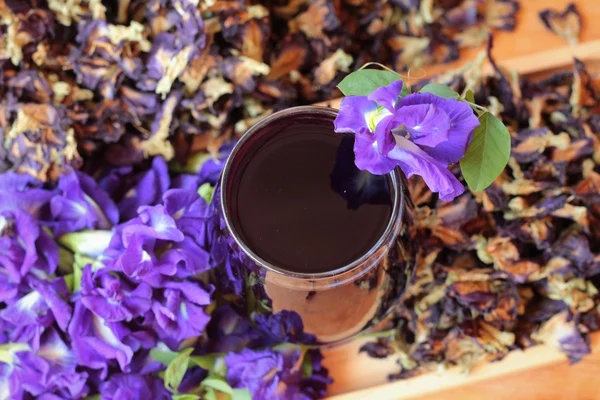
210, 394
195, 162
176, 370
185, 396
440, 90
220, 367
65, 261
470, 96
487, 154
206, 191
69, 282
206, 362
307, 366
163, 356
8, 350
89, 243
365, 81
92, 397
216, 383
241, 394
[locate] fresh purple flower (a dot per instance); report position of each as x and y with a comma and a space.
10, 383
96, 342
211, 169
80, 204
111, 297
22, 192
278, 375
190, 213
25, 249
146, 188
167, 240
257, 370
421, 133
133, 387
50, 372
179, 313
42, 306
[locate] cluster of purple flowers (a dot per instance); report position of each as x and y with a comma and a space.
96, 273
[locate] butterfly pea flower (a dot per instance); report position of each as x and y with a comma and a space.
285, 325
178, 313
111, 297
46, 303
140, 189
50, 371
420, 133
22, 192
25, 249
190, 213
79, 203
229, 331
271, 374
96, 342
133, 387
132, 248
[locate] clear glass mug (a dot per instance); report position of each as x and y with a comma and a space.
331, 306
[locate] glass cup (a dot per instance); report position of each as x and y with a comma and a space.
327, 307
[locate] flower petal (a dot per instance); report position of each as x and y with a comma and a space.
427, 124
414, 161
353, 115
387, 96
367, 157
462, 124
384, 136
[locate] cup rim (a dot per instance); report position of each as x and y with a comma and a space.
391, 227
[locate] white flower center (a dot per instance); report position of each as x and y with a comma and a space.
373, 118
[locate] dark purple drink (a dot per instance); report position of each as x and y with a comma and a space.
285, 207
307, 237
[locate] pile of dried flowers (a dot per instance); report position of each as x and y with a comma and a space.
119, 81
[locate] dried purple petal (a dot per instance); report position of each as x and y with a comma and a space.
566, 24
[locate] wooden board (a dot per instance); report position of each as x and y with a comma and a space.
541, 372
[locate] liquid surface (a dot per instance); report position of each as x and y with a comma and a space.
289, 211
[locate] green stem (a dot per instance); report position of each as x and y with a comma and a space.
407, 77
477, 106
382, 334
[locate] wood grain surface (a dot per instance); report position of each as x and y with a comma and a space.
541, 372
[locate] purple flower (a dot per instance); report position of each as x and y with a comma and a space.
421, 133
133, 246
229, 331
10, 383
269, 374
257, 370
42, 306
50, 372
112, 297
211, 169
285, 326
167, 240
179, 313
25, 249
144, 188
22, 192
132, 387
96, 342
80, 204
